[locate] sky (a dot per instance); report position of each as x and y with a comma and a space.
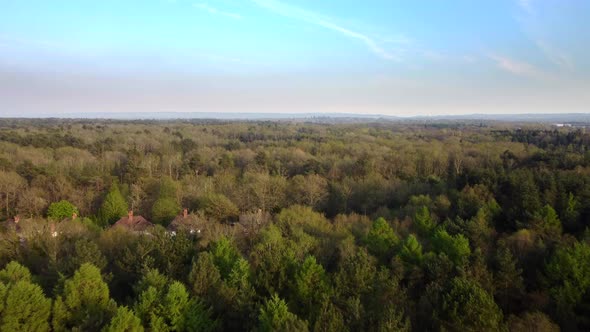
393, 57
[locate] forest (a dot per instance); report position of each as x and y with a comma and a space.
203, 225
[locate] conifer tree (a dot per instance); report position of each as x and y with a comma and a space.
423, 221
275, 316
197, 317
330, 319
124, 321
456, 247
113, 207
3, 291
568, 278
204, 276
14, 272
465, 306
166, 207
411, 250
225, 255
26, 308
168, 307
508, 282
310, 286
85, 303
381, 238
175, 304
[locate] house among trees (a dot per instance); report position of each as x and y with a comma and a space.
53, 230
13, 224
72, 218
66, 223
252, 222
23, 228
136, 224
186, 222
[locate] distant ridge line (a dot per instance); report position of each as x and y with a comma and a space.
533, 117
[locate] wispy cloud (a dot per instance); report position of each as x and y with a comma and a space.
215, 11
529, 22
397, 40
516, 67
319, 20
555, 55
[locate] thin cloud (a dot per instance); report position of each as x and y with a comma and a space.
215, 11
397, 40
516, 67
558, 57
316, 19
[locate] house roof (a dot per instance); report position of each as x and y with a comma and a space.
189, 222
134, 223
13, 225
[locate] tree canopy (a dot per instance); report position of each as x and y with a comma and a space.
113, 206
316, 225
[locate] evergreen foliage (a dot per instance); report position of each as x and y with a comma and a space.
113, 206
85, 303
464, 305
124, 321
25, 308
449, 226
381, 239
61, 210
275, 316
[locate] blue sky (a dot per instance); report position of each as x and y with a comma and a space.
374, 56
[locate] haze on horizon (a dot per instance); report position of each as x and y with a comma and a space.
294, 56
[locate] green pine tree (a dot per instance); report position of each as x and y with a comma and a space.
411, 251
456, 247
204, 276
274, 316
113, 207
423, 221
381, 239
225, 255
330, 319
508, 281
164, 210
568, 278
465, 306
3, 291
167, 307
26, 308
85, 304
310, 287
166, 207
197, 318
175, 304
124, 321
14, 272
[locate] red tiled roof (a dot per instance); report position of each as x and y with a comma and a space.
136, 223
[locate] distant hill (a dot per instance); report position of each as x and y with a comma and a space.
544, 118
315, 117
